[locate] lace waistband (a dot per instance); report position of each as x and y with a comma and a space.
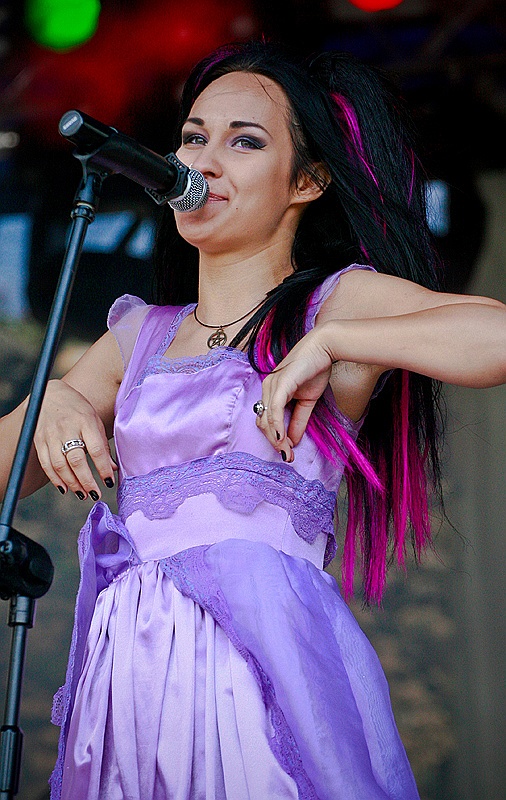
240, 481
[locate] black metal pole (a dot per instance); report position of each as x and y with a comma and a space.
82, 214
25, 568
21, 614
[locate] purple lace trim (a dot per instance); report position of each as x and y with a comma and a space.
240, 481
192, 578
190, 364
173, 327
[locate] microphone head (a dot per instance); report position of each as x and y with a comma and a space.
195, 195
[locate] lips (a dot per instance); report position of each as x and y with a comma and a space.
213, 198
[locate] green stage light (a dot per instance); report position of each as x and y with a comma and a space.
62, 24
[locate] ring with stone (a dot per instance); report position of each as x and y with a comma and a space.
259, 408
73, 444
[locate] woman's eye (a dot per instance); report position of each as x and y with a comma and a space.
241, 142
248, 143
193, 138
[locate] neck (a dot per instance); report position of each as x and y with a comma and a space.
230, 287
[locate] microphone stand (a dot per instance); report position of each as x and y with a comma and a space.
26, 571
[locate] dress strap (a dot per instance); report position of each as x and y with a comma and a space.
325, 289
152, 332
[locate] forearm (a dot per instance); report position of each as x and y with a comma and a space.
463, 344
10, 427
80, 406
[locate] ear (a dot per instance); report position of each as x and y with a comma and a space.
310, 186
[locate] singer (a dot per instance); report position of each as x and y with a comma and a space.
300, 338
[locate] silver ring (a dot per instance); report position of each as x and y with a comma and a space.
73, 444
259, 408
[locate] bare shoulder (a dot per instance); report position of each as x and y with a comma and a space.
363, 294
352, 383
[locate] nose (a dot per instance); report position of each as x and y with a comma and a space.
207, 161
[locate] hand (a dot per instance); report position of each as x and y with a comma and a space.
66, 414
303, 376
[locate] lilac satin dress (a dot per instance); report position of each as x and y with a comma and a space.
212, 658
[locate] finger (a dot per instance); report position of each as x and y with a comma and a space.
300, 418
263, 419
72, 468
275, 431
45, 462
78, 463
272, 421
99, 452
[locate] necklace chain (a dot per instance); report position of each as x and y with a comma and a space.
219, 337
228, 324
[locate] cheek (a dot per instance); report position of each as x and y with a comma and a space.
271, 184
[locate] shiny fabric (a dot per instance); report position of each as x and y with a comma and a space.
211, 655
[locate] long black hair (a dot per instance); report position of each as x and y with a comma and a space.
344, 115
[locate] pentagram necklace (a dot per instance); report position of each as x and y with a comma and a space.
219, 337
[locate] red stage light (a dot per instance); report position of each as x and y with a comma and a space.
375, 5
110, 76
176, 38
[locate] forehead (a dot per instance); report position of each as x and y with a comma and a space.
243, 96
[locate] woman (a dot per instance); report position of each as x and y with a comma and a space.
211, 656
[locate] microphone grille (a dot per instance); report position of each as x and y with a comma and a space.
195, 196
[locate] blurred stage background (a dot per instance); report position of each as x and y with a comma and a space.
442, 632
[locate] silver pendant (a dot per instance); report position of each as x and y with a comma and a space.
217, 339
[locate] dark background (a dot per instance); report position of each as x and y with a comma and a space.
447, 58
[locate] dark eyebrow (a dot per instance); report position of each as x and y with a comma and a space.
195, 120
238, 123
241, 124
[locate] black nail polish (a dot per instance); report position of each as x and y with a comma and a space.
278, 435
94, 495
283, 455
109, 482
80, 495
61, 489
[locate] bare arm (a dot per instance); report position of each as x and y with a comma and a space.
384, 322
81, 405
365, 296
362, 294
463, 344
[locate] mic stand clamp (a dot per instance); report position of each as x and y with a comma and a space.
181, 187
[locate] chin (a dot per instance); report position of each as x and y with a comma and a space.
204, 233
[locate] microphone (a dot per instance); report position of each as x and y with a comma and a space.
165, 179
